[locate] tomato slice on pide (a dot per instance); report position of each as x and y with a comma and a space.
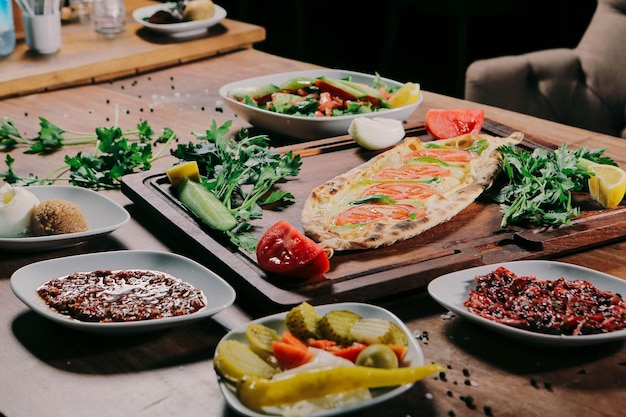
442, 154
412, 172
370, 212
400, 190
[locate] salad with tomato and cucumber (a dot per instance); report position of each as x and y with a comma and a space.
322, 96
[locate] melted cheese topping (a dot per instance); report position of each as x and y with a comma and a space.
469, 164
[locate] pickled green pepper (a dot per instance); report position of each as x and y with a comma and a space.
260, 392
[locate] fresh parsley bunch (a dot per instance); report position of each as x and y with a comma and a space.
539, 184
241, 172
116, 153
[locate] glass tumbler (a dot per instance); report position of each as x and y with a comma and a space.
109, 16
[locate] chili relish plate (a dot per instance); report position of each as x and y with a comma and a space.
451, 291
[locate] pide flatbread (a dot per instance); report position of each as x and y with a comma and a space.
402, 192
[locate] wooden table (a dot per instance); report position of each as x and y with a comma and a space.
47, 370
86, 57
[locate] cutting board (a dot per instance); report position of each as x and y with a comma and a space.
471, 238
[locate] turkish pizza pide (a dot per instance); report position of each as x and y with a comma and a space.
402, 192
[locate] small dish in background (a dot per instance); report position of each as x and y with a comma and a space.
177, 30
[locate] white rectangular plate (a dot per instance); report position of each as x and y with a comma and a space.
413, 357
26, 280
451, 291
103, 216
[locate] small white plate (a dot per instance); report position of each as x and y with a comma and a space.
182, 29
102, 214
26, 280
309, 127
414, 356
451, 291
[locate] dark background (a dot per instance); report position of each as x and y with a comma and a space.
429, 42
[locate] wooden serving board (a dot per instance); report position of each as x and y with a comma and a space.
472, 238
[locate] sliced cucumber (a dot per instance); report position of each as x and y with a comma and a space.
203, 203
283, 101
254, 92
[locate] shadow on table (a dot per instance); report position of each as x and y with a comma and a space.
86, 353
581, 367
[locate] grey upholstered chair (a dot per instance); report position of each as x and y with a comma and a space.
584, 86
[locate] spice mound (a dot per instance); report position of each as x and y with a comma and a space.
557, 307
56, 217
121, 296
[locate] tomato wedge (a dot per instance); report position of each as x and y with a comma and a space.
400, 190
411, 172
443, 154
450, 123
364, 213
284, 250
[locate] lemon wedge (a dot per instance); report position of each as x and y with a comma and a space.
179, 172
608, 185
409, 93
377, 132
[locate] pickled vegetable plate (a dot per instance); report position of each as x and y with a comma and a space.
414, 357
309, 127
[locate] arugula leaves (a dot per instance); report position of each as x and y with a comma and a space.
540, 184
241, 172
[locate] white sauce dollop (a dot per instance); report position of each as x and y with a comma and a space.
16, 209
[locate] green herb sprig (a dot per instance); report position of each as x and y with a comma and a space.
241, 172
539, 184
116, 153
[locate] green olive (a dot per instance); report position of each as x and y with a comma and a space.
378, 356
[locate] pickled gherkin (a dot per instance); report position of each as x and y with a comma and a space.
302, 321
336, 325
260, 338
234, 360
377, 330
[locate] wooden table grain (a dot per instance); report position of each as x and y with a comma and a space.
47, 370
88, 57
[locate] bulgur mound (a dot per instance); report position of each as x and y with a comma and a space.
55, 217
